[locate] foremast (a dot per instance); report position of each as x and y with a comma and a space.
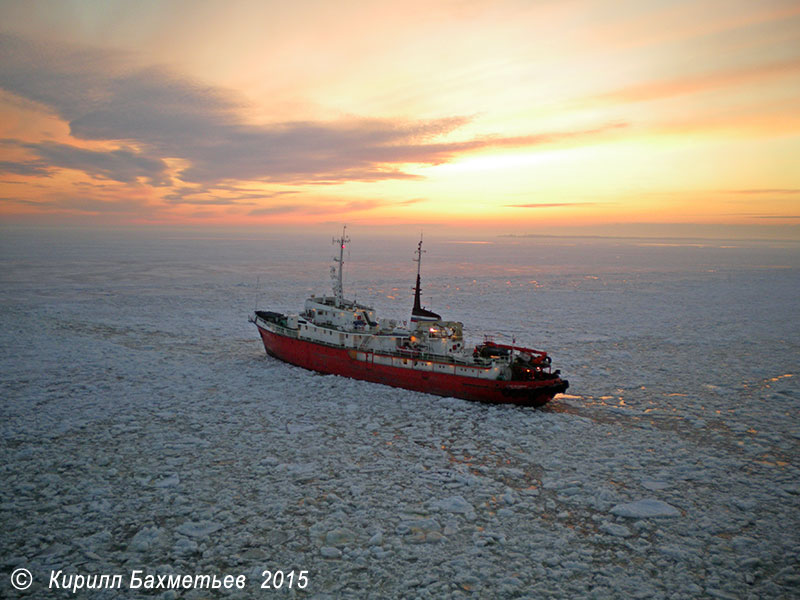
336, 272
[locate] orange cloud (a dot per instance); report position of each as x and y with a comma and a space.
760, 192
549, 205
656, 90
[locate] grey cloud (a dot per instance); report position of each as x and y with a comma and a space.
7, 200
103, 96
24, 168
120, 165
72, 203
321, 207
209, 201
277, 209
211, 195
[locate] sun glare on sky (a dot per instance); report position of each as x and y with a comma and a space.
506, 116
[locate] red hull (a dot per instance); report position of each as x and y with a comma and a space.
338, 361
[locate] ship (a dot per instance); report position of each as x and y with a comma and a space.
335, 335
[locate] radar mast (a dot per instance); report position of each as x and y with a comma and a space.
336, 273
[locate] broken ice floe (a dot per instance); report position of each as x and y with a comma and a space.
175, 444
645, 509
199, 529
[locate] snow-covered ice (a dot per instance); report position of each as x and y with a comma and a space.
143, 426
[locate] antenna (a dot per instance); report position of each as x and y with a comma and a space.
419, 254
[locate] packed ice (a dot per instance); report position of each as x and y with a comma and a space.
144, 427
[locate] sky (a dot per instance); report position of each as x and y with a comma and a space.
522, 117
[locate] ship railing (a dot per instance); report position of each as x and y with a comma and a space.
486, 363
467, 361
279, 328
516, 348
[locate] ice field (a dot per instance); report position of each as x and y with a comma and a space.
144, 427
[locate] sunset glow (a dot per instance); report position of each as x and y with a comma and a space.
515, 117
